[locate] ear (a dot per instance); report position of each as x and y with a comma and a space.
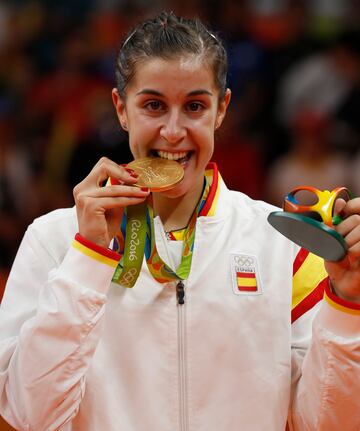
120, 108
223, 105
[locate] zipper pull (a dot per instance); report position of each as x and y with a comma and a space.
180, 293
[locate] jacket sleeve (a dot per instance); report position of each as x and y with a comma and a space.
326, 364
50, 324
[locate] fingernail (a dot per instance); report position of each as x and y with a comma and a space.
115, 182
131, 173
144, 189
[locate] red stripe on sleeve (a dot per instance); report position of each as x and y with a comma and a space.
340, 301
97, 248
299, 260
212, 192
310, 301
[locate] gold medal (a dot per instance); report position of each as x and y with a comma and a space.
156, 173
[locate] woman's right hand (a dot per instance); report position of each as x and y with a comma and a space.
99, 209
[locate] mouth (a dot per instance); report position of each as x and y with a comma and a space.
180, 156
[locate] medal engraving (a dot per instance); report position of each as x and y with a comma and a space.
157, 174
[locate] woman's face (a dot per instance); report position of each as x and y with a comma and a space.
171, 111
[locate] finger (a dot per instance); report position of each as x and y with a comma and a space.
123, 201
351, 207
101, 204
117, 191
100, 199
352, 238
106, 168
339, 206
123, 180
350, 225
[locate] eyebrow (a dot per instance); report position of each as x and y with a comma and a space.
157, 93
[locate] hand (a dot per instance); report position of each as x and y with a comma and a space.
345, 275
100, 209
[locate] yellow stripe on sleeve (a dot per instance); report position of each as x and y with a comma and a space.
307, 277
94, 255
340, 307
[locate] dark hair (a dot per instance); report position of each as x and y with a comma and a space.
167, 36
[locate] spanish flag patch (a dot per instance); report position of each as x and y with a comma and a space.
245, 275
246, 281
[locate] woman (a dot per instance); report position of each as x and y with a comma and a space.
203, 340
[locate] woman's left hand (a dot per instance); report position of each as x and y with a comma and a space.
345, 274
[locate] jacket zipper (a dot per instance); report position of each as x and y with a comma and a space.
183, 413
180, 293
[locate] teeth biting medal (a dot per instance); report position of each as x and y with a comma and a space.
157, 174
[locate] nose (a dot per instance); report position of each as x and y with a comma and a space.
173, 130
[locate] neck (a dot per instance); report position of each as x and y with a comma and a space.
175, 212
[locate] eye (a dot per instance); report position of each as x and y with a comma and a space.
195, 106
154, 105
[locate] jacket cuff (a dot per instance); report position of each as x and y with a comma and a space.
89, 264
339, 316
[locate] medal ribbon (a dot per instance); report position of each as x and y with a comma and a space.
129, 267
140, 239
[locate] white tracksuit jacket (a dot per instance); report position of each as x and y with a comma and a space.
80, 353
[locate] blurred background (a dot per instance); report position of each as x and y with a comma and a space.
294, 73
